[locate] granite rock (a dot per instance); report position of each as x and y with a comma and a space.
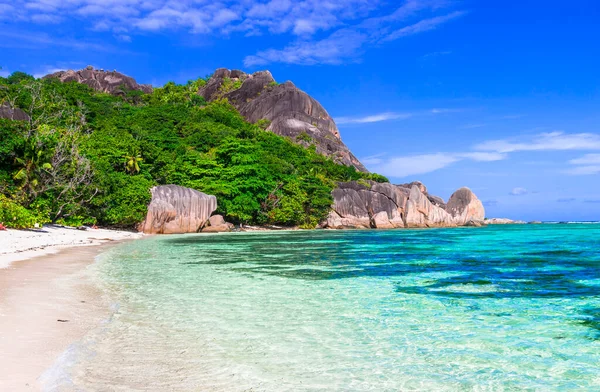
291, 111
6, 111
217, 224
111, 82
368, 204
177, 210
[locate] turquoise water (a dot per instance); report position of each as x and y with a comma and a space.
489, 309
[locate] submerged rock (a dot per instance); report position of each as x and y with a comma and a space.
111, 82
291, 111
367, 204
177, 210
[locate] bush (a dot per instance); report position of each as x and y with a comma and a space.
16, 216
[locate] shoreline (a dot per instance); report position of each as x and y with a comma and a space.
47, 304
18, 245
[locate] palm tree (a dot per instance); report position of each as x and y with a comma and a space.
34, 163
132, 162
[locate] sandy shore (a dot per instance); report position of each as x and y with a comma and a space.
47, 300
24, 244
46, 304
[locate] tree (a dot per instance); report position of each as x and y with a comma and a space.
132, 162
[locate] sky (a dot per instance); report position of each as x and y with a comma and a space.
499, 96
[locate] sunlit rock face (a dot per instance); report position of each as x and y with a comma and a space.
291, 112
464, 206
367, 204
177, 210
111, 82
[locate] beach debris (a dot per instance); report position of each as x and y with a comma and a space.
62, 321
2, 227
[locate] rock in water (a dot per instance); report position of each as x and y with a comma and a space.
111, 82
368, 204
6, 111
464, 206
177, 210
291, 112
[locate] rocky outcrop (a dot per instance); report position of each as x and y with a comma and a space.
368, 204
177, 210
6, 111
217, 224
111, 82
291, 112
464, 206
504, 221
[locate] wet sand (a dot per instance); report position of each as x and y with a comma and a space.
46, 304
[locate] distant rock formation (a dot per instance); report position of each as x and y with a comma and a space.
505, 221
291, 112
177, 210
368, 204
111, 82
6, 111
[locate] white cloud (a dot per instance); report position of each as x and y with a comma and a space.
343, 44
483, 156
551, 141
425, 163
373, 118
413, 165
422, 26
322, 31
518, 192
386, 116
588, 159
589, 164
583, 170
347, 43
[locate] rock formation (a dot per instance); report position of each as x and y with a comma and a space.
368, 204
111, 82
291, 112
6, 111
177, 210
217, 224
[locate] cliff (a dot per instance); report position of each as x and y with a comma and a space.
290, 111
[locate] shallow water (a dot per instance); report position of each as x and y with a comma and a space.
490, 309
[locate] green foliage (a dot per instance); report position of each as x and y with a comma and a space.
16, 216
304, 137
263, 123
89, 157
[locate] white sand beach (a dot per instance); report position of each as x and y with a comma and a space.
47, 300
24, 244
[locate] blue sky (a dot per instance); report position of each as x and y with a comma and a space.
500, 96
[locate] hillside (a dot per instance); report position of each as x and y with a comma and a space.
75, 154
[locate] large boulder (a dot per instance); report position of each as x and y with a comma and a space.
217, 224
291, 111
6, 111
464, 206
177, 210
111, 82
368, 204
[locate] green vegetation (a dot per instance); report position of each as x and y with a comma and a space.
304, 137
89, 157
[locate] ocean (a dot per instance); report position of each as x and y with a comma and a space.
499, 308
